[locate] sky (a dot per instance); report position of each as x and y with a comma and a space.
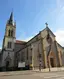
31, 16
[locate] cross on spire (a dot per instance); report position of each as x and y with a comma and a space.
46, 24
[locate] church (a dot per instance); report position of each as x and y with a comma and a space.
42, 51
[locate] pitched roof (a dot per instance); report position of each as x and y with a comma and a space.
20, 42
50, 31
59, 45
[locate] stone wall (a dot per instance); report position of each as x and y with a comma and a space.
33, 49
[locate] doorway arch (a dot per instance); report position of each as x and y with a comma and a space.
7, 65
52, 59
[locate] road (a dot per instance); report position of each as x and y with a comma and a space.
32, 75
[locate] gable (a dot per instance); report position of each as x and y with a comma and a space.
44, 33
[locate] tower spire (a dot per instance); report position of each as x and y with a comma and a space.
11, 16
10, 21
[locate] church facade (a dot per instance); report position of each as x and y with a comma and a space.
42, 51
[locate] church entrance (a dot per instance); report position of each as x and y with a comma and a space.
7, 65
52, 62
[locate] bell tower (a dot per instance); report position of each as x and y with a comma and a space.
9, 37
9, 43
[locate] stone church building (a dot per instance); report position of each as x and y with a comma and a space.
42, 51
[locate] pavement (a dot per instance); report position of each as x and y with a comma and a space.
12, 73
32, 74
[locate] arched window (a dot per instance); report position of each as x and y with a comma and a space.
9, 33
9, 45
22, 56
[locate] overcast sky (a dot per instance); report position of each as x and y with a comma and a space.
30, 17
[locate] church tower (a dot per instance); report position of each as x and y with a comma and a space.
9, 44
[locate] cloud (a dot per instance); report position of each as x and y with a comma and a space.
27, 39
0, 44
60, 36
23, 36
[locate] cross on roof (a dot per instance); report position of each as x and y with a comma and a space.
46, 24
